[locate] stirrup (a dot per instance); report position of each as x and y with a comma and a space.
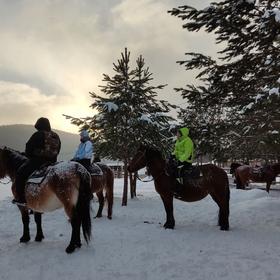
19, 203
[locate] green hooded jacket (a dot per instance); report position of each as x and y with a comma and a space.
184, 148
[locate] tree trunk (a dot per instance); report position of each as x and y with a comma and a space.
125, 184
133, 180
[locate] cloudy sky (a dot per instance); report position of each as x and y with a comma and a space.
53, 52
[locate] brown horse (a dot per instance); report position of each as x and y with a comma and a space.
66, 185
214, 181
104, 182
246, 173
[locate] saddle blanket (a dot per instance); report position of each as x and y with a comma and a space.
95, 170
39, 175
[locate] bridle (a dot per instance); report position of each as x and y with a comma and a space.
143, 154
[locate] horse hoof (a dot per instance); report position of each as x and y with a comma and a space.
70, 249
24, 239
39, 238
109, 217
169, 226
98, 216
224, 228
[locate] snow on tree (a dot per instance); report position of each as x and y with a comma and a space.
244, 81
129, 113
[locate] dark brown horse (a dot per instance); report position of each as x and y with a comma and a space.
233, 167
214, 181
104, 183
245, 173
66, 185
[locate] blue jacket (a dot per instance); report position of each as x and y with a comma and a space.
84, 151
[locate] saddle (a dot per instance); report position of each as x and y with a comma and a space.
95, 170
39, 175
190, 173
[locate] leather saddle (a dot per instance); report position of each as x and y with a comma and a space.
192, 172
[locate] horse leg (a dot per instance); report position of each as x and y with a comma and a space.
110, 199
75, 241
25, 221
38, 220
268, 184
223, 204
101, 203
168, 205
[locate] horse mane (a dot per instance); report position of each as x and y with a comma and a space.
152, 153
15, 157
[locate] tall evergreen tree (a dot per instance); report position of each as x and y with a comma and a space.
244, 82
128, 114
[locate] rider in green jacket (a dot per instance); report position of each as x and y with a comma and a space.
184, 149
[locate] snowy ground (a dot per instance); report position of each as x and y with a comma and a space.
127, 248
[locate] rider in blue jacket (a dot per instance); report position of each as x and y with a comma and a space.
84, 152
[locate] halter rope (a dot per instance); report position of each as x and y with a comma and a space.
6, 183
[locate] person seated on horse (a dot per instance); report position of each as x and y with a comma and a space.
184, 151
85, 150
41, 149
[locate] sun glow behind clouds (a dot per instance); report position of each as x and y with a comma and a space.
52, 53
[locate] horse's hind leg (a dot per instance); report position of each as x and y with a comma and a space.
223, 203
101, 203
38, 220
75, 241
168, 205
25, 221
110, 199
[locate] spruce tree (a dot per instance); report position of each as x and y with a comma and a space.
244, 81
128, 114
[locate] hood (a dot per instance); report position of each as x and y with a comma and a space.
84, 134
43, 124
185, 132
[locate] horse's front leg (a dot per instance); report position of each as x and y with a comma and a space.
168, 205
25, 221
268, 184
38, 220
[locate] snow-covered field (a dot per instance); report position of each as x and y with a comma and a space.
128, 248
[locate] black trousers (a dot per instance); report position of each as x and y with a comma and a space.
22, 175
85, 162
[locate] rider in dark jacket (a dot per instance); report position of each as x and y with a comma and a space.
42, 148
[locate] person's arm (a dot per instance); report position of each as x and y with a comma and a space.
188, 149
88, 150
36, 141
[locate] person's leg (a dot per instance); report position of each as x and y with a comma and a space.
85, 162
22, 175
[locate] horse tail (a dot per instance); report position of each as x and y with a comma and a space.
83, 204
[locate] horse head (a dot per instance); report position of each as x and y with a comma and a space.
146, 156
139, 160
233, 167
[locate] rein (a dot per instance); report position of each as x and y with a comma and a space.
144, 181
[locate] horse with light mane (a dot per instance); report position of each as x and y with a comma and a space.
67, 185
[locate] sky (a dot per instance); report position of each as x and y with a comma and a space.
54, 52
